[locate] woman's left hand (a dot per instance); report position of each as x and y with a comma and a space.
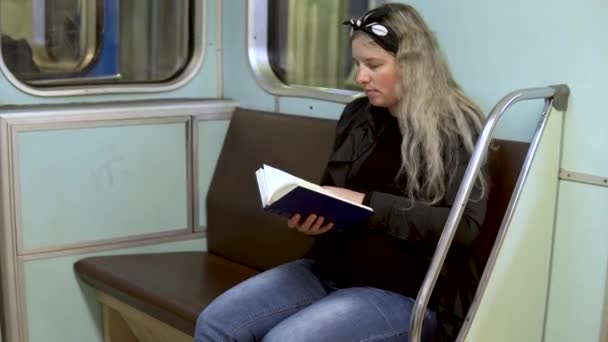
350, 195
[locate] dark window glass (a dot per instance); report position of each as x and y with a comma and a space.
307, 43
58, 42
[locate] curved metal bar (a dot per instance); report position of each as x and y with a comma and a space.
464, 191
508, 215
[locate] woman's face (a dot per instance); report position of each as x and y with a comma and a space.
378, 72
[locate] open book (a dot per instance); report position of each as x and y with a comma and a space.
284, 194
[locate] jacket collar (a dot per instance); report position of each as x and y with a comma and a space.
362, 133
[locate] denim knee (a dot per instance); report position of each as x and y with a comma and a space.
209, 327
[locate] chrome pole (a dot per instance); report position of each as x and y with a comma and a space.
464, 191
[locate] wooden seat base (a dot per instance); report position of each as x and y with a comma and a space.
124, 323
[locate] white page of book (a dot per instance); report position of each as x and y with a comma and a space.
259, 174
276, 179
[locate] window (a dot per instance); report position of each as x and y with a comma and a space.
307, 45
49, 43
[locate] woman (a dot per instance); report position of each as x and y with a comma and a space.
403, 150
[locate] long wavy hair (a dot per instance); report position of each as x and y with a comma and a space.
435, 116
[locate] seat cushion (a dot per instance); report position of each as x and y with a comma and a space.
171, 287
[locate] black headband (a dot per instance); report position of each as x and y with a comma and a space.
380, 33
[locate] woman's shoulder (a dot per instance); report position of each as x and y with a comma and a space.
355, 115
356, 110
358, 104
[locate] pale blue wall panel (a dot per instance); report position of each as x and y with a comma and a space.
60, 307
496, 47
579, 265
100, 183
204, 85
239, 83
210, 140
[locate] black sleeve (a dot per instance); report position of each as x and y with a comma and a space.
411, 220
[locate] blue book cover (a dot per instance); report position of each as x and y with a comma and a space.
286, 195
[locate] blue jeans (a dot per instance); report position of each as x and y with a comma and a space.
290, 303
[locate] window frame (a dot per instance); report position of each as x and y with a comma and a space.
199, 36
93, 36
259, 62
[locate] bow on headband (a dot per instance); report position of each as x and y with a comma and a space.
370, 24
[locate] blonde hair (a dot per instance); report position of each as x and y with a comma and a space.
435, 116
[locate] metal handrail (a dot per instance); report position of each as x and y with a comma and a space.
559, 94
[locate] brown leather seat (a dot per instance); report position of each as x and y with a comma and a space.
172, 287
242, 239
505, 162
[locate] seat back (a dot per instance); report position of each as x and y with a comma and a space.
238, 229
505, 163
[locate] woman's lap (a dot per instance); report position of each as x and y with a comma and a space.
290, 303
249, 310
352, 314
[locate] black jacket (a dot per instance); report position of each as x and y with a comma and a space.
416, 226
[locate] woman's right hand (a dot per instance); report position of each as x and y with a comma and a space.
313, 225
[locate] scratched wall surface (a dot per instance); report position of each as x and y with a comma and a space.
88, 184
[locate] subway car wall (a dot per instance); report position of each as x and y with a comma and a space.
113, 114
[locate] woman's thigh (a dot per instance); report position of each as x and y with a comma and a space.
249, 310
354, 314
